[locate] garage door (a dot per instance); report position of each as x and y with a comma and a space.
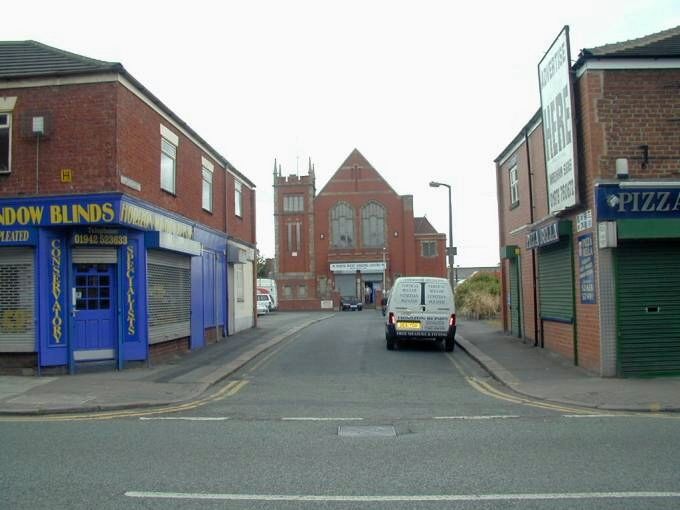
648, 308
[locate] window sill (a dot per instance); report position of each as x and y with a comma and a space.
172, 193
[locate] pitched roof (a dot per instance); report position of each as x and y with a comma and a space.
423, 226
369, 173
31, 59
665, 44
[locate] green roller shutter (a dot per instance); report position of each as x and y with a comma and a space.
515, 308
556, 281
648, 308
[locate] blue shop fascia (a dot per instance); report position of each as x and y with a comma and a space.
105, 277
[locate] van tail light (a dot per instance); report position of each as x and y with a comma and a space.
452, 320
392, 319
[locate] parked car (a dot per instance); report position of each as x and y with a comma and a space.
262, 304
421, 308
351, 303
269, 297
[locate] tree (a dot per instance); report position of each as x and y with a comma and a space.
478, 297
262, 267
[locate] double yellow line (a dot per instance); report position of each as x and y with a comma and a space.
229, 390
487, 389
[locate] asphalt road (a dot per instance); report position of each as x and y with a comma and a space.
331, 419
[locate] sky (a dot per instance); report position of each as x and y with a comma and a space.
425, 90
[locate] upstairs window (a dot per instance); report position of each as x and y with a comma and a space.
5, 143
373, 225
428, 248
238, 199
207, 195
514, 187
168, 165
342, 226
293, 203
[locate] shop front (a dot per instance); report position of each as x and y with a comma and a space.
94, 277
363, 280
639, 238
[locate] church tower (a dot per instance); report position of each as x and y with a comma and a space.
295, 266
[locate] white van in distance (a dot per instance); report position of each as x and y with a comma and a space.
421, 307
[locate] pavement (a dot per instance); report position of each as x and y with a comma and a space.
526, 370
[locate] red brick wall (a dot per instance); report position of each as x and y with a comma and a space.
431, 266
81, 129
559, 338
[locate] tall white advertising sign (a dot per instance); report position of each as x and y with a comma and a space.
559, 135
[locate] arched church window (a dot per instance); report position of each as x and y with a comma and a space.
342, 225
373, 225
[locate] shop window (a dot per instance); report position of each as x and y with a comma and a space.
514, 187
293, 203
373, 225
5, 143
428, 248
342, 226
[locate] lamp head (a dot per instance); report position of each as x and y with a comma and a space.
434, 184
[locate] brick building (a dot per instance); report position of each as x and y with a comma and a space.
598, 280
123, 234
353, 238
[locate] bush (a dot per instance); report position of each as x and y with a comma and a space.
478, 297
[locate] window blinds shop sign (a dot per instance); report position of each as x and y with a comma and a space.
57, 214
543, 236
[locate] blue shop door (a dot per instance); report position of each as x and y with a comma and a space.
95, 318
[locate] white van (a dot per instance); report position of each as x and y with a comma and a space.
270, 285
421, 307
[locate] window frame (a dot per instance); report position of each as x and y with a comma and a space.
8, 129
165, 156
342, 225
293, 203
373, 225
238, 198
207, 171
513, 179
423, 251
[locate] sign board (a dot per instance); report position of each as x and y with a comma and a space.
559, 135
630, 202
543, 236
586, 269
584, 220
353, 267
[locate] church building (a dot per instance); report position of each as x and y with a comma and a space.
353, 238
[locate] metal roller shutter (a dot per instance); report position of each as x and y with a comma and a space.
98, 255
345, 284
169, 301
17, 300
515, 308
556, 281
648, 308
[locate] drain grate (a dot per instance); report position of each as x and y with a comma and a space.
367, 431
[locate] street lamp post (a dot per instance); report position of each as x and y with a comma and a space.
451, 250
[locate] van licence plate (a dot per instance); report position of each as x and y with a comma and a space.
408, 325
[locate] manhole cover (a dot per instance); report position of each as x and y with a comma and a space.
367, 431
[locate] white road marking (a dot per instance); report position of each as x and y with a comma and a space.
482, 417
186, 418
596, 415
319, 419
404, 498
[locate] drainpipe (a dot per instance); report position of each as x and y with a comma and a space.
533, 251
